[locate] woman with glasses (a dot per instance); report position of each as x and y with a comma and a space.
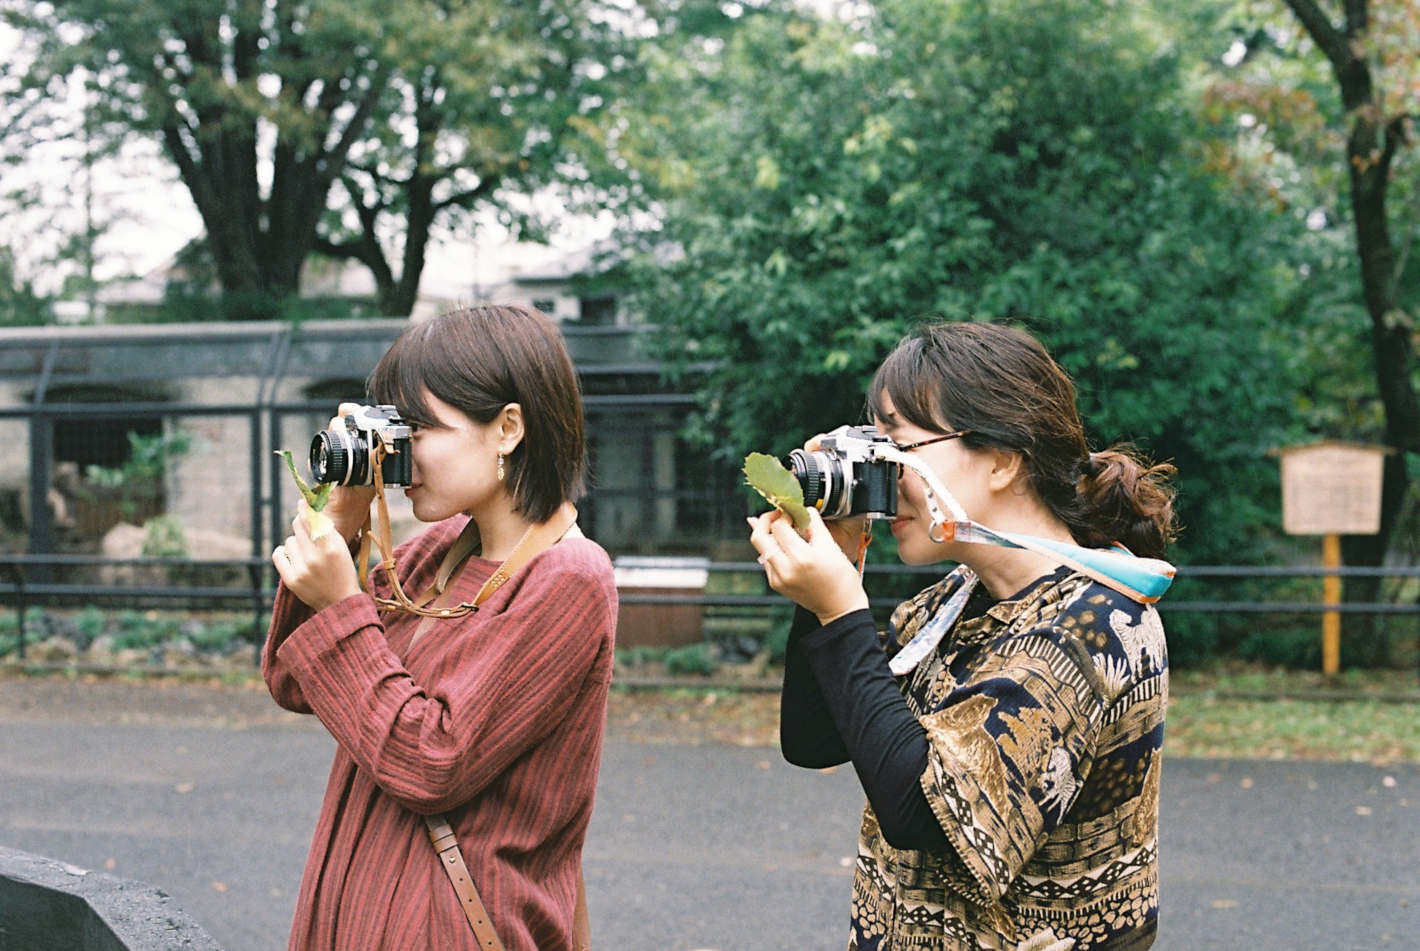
1007, 726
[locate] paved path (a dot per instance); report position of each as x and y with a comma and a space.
692, 847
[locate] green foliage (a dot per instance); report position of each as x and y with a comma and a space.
825, 185
323, 126
767, 476
147, 461
163, 537
137, 630
20, 304
90, 623
690, 660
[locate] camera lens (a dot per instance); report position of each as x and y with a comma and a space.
335, 459
823, 480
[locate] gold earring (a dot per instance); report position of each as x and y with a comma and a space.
500, 467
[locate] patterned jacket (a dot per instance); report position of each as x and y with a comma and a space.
1045, 723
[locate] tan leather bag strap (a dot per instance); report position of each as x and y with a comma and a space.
581, 920
441, 834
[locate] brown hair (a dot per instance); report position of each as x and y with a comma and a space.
1002, 385
480, 359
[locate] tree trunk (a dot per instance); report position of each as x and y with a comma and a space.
1371, 145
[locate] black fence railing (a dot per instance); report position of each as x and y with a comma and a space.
19, 590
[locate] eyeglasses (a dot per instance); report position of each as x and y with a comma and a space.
927, 442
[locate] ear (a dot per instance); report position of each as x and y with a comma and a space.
510, 427
1006, 468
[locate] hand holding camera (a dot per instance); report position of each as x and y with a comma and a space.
847, 530
344, 453
844, 483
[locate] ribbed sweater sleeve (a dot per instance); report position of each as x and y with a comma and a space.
878, 731
521, 661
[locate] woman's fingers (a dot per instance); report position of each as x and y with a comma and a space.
761, 535
344, 409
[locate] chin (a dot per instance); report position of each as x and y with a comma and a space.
921, 550
914, 556
429, 514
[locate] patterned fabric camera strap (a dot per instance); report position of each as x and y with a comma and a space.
1141, 579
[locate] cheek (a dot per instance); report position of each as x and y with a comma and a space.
910, 491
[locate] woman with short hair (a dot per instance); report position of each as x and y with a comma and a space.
491, 718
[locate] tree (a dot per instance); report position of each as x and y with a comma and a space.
20, 303
350, 127
1330, 96
1373, 54
825, 184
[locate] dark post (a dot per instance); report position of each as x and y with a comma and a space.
41, 467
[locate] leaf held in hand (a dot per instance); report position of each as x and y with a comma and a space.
767, 476
317, 521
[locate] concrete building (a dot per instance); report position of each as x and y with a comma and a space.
221, 397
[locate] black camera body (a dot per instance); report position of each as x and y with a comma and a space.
345, 454
844, 476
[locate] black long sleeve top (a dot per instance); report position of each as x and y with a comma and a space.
840, 703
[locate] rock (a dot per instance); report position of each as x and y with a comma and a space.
100, 652
179, 653
131, 657
205, 544
123, 542
53, 650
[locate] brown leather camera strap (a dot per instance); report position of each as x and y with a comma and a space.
538, 537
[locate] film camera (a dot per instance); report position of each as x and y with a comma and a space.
345, 454
846, 476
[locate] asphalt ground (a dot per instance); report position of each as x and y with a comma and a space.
211, 795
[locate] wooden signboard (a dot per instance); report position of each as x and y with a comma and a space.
1332, 488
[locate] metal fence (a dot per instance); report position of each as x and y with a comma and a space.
20, 589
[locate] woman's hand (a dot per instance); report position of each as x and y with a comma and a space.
812, 572
349, 505
319, 571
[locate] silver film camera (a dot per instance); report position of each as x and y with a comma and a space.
344, 454
845, 476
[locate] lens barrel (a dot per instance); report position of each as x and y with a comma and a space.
821, 476
339, 456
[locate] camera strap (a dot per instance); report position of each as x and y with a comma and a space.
536, 539
1140, 579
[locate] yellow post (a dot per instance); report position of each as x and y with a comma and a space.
1331, 594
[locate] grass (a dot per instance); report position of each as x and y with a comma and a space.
1213, 726
1222, 712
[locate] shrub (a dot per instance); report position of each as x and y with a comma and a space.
692, 659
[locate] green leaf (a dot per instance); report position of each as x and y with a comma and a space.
315, 498
317, 521
767, 476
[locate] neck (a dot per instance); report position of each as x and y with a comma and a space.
500, 529
1004, 571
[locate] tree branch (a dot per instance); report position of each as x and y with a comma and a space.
468, 196
1331, 40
